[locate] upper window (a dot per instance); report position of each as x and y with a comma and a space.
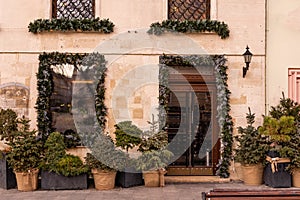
70, 9
294, 84
188, 9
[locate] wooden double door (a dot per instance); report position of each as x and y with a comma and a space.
192, 126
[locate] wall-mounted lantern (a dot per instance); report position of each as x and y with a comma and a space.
247, 56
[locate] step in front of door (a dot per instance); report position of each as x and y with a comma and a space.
189, 171
195, 179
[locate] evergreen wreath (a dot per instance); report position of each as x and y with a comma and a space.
223, 96
96, 66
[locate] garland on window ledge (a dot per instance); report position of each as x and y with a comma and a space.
84, 25
223, 95
95, 69
189, 26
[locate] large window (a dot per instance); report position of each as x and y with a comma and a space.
294, 84
71, 9
188, 9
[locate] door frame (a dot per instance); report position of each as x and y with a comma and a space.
199, 83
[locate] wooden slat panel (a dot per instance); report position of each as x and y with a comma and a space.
253, 194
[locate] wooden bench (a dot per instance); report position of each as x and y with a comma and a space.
274, 194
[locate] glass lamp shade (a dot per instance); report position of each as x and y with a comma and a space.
247, 55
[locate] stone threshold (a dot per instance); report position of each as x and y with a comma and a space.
196, 179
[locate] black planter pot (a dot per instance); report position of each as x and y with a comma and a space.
129, 179
53, 181
7, 176
279, 179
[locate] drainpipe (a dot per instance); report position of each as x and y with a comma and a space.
266, 61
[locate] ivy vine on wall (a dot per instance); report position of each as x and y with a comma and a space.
94, 68
223, 95
189, 26
85, 25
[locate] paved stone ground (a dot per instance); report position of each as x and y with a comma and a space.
170, 191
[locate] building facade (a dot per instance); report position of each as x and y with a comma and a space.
282, 48
133, 57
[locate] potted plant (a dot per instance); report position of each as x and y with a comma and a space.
295, 158
251, 151
25, 156
153, 164
104, 161
8, 125
61, 170
288, 107
128, 136
279, 133
104, 176
280, 128
155, 157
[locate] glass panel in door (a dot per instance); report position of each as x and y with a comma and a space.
190, 132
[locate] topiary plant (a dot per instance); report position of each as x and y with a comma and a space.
54, 149
279, 130
70, 165
286, 107
25, 154
8, 124
56, 160
282, 130
153, 139
291, 149
154, 156
251, 146
154, 160
127, 135
104, 150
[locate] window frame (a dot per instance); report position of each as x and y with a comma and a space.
53, 13
294, 84
212, 11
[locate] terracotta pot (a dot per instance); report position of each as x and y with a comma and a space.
104, 180
253, 174
27, 181
154, 178
296, 177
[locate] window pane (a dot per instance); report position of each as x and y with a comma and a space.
73, 9
189, 9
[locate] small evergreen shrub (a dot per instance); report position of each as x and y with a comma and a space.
127, 135
251, 146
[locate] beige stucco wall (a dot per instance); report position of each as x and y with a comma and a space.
283, 39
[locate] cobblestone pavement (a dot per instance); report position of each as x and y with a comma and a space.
170, 191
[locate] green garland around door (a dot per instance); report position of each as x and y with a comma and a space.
223, 95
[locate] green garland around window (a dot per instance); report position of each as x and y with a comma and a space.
85, 25
188, 26
95, 68
223, 95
